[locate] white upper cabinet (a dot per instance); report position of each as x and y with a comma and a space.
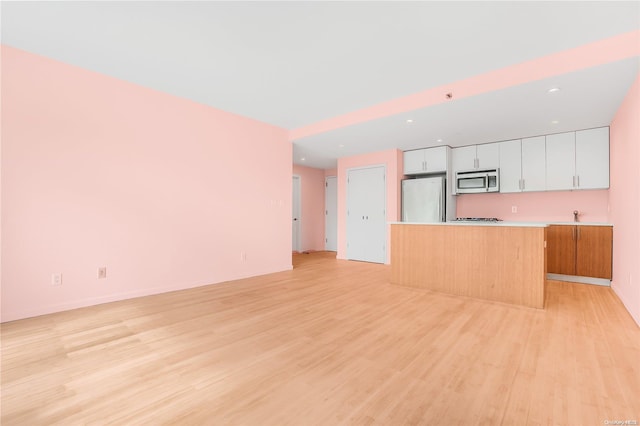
463, 158
510, 166
578, 160
488, 156
522, 165
561, 161
564, 161
413, 161
428, 160
476, 157
592, 158
534, 164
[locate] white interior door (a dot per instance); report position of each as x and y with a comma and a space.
366, 214
295, 215
331, 213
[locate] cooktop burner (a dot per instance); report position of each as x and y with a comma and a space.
478, 219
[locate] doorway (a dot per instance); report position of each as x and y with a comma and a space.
295, 215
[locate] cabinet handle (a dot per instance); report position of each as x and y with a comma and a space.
523, 184
574, 181
573, 233
578, 237
425, 165
578, 180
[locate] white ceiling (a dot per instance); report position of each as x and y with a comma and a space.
293, 64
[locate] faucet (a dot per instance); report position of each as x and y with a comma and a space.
575, 215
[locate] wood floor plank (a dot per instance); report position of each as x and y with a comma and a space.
331, 342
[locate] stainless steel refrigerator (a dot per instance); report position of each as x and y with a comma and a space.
423, 199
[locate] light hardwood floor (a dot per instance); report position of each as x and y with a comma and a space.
331, 342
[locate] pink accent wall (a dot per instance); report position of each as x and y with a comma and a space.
600, 52
330, 172
392, 160
312, 206
625, 200
164, 192
552, 206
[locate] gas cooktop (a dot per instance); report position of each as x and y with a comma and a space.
478, 219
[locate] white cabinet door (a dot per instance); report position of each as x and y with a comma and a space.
534, 164
488, 156
435, 159
592, 158
366, 215
510, 166
414, 161
428, 160
463, 158
561, 161
474, 157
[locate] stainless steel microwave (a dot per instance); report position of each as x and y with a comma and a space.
478, 181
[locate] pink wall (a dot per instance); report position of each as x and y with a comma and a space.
312, 203
164, 192
392, 159
625, 200
552, 206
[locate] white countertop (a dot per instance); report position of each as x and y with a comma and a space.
479, 223
581, 223
503, 223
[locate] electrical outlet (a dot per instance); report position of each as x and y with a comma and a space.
243, 256
56, 279
102, 272
514, 209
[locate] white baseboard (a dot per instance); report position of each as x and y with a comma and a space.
582, 280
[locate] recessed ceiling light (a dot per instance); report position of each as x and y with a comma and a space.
302, 158
439, 140
409, 121
341, 146
554, 122
554, 90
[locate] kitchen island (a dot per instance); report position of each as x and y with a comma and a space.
498, 261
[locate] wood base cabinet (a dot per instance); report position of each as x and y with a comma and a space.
581, 250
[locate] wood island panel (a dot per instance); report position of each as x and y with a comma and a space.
500, 263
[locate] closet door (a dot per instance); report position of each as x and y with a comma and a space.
331, 214
366, 215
